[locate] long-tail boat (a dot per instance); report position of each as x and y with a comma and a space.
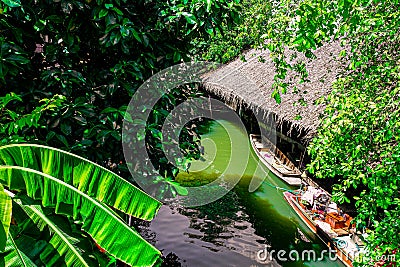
275, 160
323, 217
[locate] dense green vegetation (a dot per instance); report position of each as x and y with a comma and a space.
358, 141
55, 199
70, 67
68, 70
359, 137
231, 41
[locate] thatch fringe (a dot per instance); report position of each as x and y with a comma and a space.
250, 83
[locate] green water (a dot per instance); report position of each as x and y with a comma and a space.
231, 230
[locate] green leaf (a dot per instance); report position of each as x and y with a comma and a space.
8, 98
3, 238
62, 139
66, 129
181, 190
177, 56
109, 110
103, 224
208, 5
12, 256
118, 11
5, 216
276, 95
83, 174
60, 241
103, 13
12, 3
297, 117
18, 58
190, 18
81, 120
136, 35
210, 31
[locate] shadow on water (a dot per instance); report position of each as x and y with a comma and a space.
233, 229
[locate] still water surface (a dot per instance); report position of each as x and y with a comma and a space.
230, 231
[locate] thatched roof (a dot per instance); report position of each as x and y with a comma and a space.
250, 82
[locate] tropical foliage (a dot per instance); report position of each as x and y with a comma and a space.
69, 68
67, 199
67, 72
229, 42
358, 141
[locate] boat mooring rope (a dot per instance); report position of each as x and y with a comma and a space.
270, 179
281, 188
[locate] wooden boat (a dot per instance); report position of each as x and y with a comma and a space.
324, 219
275, 160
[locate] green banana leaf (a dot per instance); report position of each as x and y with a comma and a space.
60, 241
13, 257
87, 176
99, 221
5, 216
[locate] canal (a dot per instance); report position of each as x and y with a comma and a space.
237, 229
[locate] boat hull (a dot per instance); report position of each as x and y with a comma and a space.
290, 198
292, 179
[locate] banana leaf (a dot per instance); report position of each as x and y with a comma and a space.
98, 220
13, 257
5, 216
60, 241
89, 177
